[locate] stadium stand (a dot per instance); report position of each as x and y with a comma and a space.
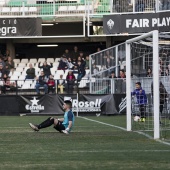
25, 85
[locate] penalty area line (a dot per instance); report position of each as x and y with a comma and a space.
119, 127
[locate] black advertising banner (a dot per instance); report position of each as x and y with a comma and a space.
136, 23
52, 104
20, 27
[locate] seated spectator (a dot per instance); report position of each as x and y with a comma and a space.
41, 82
51, 84
70, 65
140, 6
46, 68
87, 62
74, 61
3, 71
63, 64
112, 75
10, 64
7, 85
149, 72
30, 72
81, 70
70, 82
2, 62
61, 83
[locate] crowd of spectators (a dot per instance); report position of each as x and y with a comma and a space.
76, 62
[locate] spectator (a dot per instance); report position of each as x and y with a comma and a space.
108, 59
7, 54
75, 53
87, 62
41, 82
122, 74
7, 85
95, 69
63, 64
149, 72
61, 83
30, 72
98, 49
121, 5
70, 65
46, 68
81, 70
66, 54
70, 81
166, 72
2, 62
10, 64
3, 71
112, 75
165, 4
51, 84
81, 54
140, 6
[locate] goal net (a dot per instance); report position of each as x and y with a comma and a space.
148, 85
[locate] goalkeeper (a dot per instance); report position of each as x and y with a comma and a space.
63, 125
141, 100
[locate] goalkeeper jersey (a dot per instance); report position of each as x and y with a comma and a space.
68, 116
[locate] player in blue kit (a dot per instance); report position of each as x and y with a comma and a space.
63, 125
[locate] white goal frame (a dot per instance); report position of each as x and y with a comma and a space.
155, 41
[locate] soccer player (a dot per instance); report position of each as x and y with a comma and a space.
63, 125
141, 100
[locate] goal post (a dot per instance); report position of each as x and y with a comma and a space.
155, 60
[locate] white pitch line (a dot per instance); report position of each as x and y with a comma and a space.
115, 151
119, 127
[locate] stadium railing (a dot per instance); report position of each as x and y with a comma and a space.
52, 8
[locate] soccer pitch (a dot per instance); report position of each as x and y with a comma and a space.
91, 145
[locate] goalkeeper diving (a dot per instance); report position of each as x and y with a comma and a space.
141, 100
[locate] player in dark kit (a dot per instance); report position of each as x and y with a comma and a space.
63, 125
141, 100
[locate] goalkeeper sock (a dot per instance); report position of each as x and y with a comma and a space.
46, 123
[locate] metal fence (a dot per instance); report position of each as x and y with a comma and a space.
57, 7
104, 62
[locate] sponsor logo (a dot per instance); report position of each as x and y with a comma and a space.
86, 106
110, 24
4, 30
122, 105
34, 107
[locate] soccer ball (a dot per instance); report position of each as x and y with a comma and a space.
136, 118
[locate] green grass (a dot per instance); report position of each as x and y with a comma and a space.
91, 146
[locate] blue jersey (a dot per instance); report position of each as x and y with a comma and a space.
141, 96
68, 116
